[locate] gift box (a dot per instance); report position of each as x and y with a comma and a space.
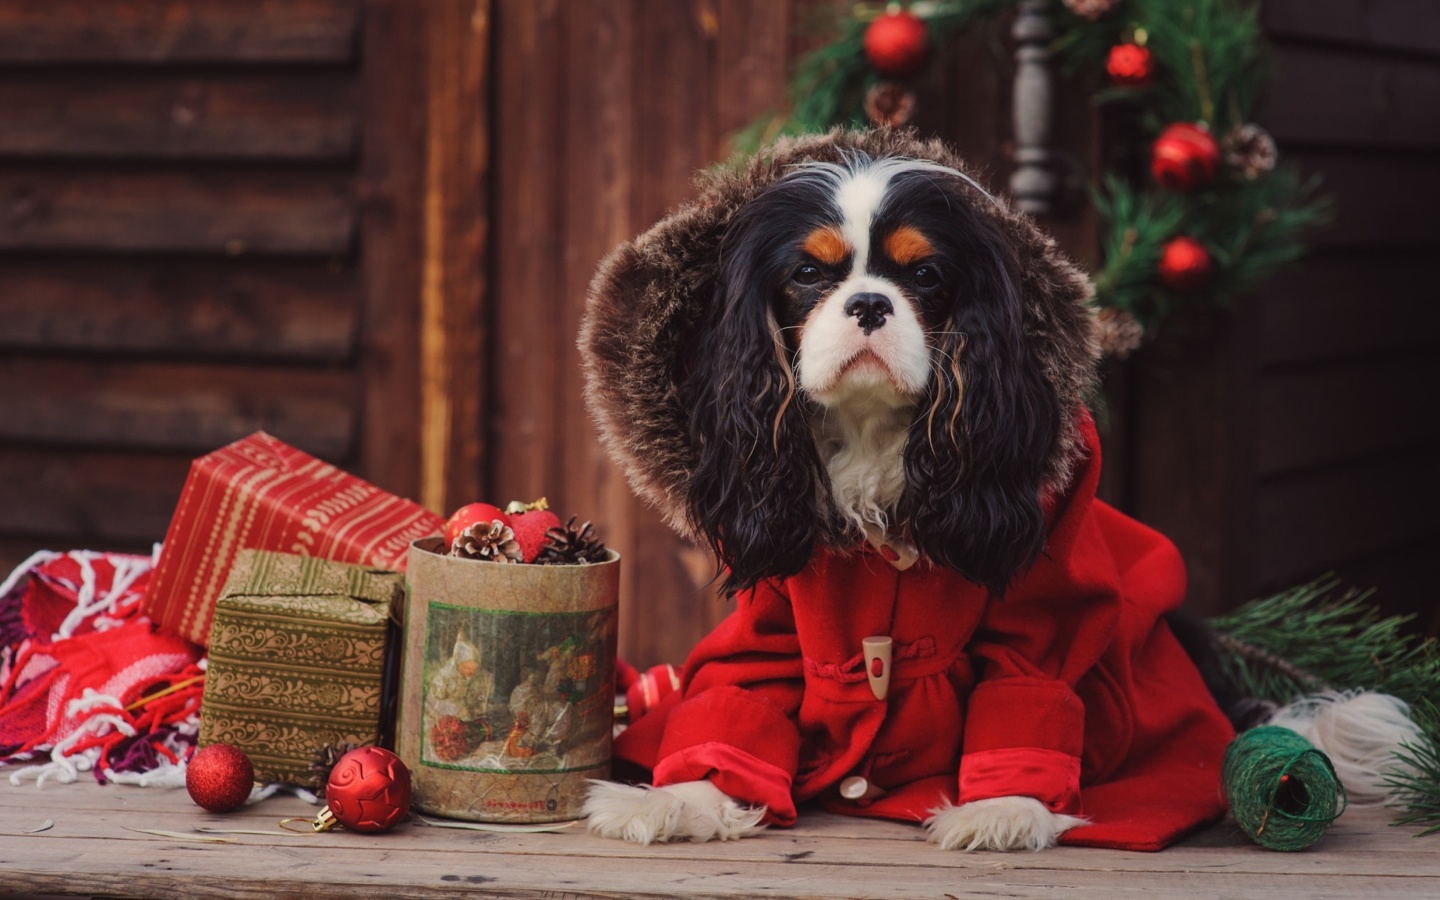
298, 662
260, 493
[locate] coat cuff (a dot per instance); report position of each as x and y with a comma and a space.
1049, 776
1023, 738
744, 745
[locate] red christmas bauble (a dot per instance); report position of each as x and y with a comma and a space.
1130, 65
368, 790
470, 514
897, 44
530, 527
1185, 157
1185, 264
219, 777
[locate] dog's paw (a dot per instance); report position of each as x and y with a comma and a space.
1000, 823
690, 811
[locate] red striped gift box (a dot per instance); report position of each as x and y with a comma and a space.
259, 493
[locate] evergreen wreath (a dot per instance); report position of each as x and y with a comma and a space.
1216, 215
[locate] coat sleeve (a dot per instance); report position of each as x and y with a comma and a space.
735, 724
1025, 724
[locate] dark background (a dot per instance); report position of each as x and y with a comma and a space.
367, 227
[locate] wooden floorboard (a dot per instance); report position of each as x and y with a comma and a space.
97, 845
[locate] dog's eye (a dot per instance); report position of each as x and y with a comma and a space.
807, 275
925, 276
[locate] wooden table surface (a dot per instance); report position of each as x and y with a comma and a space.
96, 844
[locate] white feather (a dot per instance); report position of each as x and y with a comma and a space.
1360, 732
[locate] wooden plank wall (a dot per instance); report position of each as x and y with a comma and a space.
176, 251
1302, 437
1350, 436
218, 216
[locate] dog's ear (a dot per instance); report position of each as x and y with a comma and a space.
977, 454
753, 493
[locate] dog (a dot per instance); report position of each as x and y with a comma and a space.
859, 378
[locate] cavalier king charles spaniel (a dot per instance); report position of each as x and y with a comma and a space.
847, 360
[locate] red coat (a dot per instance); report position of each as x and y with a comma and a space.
1071, 689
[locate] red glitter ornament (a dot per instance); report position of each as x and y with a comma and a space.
530, 522
897, 44
1130, 65
1185, 264
368, 790
471, 514
219, 777
1185, 157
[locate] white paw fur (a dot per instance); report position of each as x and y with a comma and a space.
1000, 823
690, 811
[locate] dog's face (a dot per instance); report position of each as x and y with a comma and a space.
867, 286
873, 294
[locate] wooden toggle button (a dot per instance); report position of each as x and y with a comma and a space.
877, 664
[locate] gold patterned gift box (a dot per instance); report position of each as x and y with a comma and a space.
298, 659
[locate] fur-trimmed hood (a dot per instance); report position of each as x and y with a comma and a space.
650, 293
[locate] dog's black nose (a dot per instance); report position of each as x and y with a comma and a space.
869, 310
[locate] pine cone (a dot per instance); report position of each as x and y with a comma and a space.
1250, 150
324, 760
890, 103
493, 541
1091, 9
1120, 333
572, 546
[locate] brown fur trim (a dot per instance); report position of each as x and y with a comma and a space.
649, 293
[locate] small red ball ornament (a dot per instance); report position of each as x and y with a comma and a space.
471, 514
1185, 264
897, 44
219, 777
1130, 65
368, 790
1185, 157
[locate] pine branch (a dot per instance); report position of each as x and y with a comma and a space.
1327, 641
1419, 783
1137, 225
829, 84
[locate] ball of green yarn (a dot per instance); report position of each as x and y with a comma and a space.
1282, 790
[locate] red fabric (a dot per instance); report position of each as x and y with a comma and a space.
754, 781
647, 689
84, 632
1072, 672
1053, 777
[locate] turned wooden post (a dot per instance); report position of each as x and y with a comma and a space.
1035, 183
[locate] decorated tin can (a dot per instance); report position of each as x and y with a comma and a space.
507, 699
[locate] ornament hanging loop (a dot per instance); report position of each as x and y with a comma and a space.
323, 822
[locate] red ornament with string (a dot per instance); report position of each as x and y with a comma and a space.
1185, 157
1185, 265
897, 44
369, 790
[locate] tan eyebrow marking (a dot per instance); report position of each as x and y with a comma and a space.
827, 245
906, 245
